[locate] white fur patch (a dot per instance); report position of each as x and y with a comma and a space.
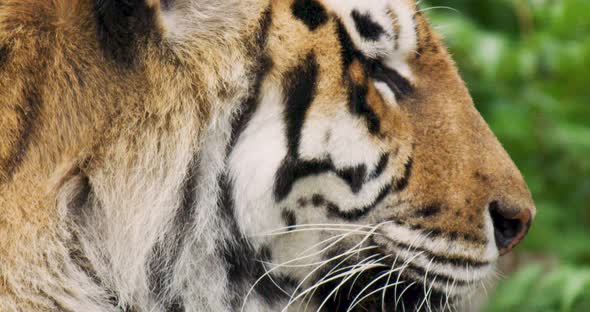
341, 136
254, 162
393, 47
386, 93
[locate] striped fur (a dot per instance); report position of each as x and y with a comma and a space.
240, 155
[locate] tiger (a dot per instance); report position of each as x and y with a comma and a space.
243, 155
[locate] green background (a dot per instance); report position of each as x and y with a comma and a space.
527, 64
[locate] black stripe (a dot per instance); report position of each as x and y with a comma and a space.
358, 105
357, 213
292, 170
262, 66
380, 168
310, 12
123, 26
402, 183
474, 239
261, 36
357, 94
250, 105
400, 86
428, 211
300, 86
353, 176
4, 55
80, 203
366, 27
176, 306
28, 114
289, 218
347, 49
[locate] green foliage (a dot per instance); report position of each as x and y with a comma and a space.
527, 64
534, 290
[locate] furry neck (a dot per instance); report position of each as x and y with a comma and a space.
155, 227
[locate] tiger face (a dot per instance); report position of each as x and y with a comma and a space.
243, 155
362, 173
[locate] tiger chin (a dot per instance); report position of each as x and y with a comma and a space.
243, 155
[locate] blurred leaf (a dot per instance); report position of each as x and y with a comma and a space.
576, 286
518, 287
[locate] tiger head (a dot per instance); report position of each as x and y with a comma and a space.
362, 173
243, 155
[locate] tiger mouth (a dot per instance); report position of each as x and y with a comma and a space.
398, 280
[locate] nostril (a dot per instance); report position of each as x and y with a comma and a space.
510, 226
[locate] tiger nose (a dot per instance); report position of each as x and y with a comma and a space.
510, 225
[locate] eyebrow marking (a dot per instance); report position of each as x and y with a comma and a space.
366, 27
394, 80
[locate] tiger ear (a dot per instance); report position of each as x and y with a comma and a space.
124, 25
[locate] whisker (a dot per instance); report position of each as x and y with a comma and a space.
444, 306
429, 294
424, 285
436, 8
387, 283
485, 289
329, 280
333, 292
402, 294
354, 282
355, 302
274, 282
372, 293
353, 250
360, 264
319, 227
268, 272
285, 265
339, 237
404, 265
318, 268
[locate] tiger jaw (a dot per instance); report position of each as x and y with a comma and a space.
344, 267
359, 268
